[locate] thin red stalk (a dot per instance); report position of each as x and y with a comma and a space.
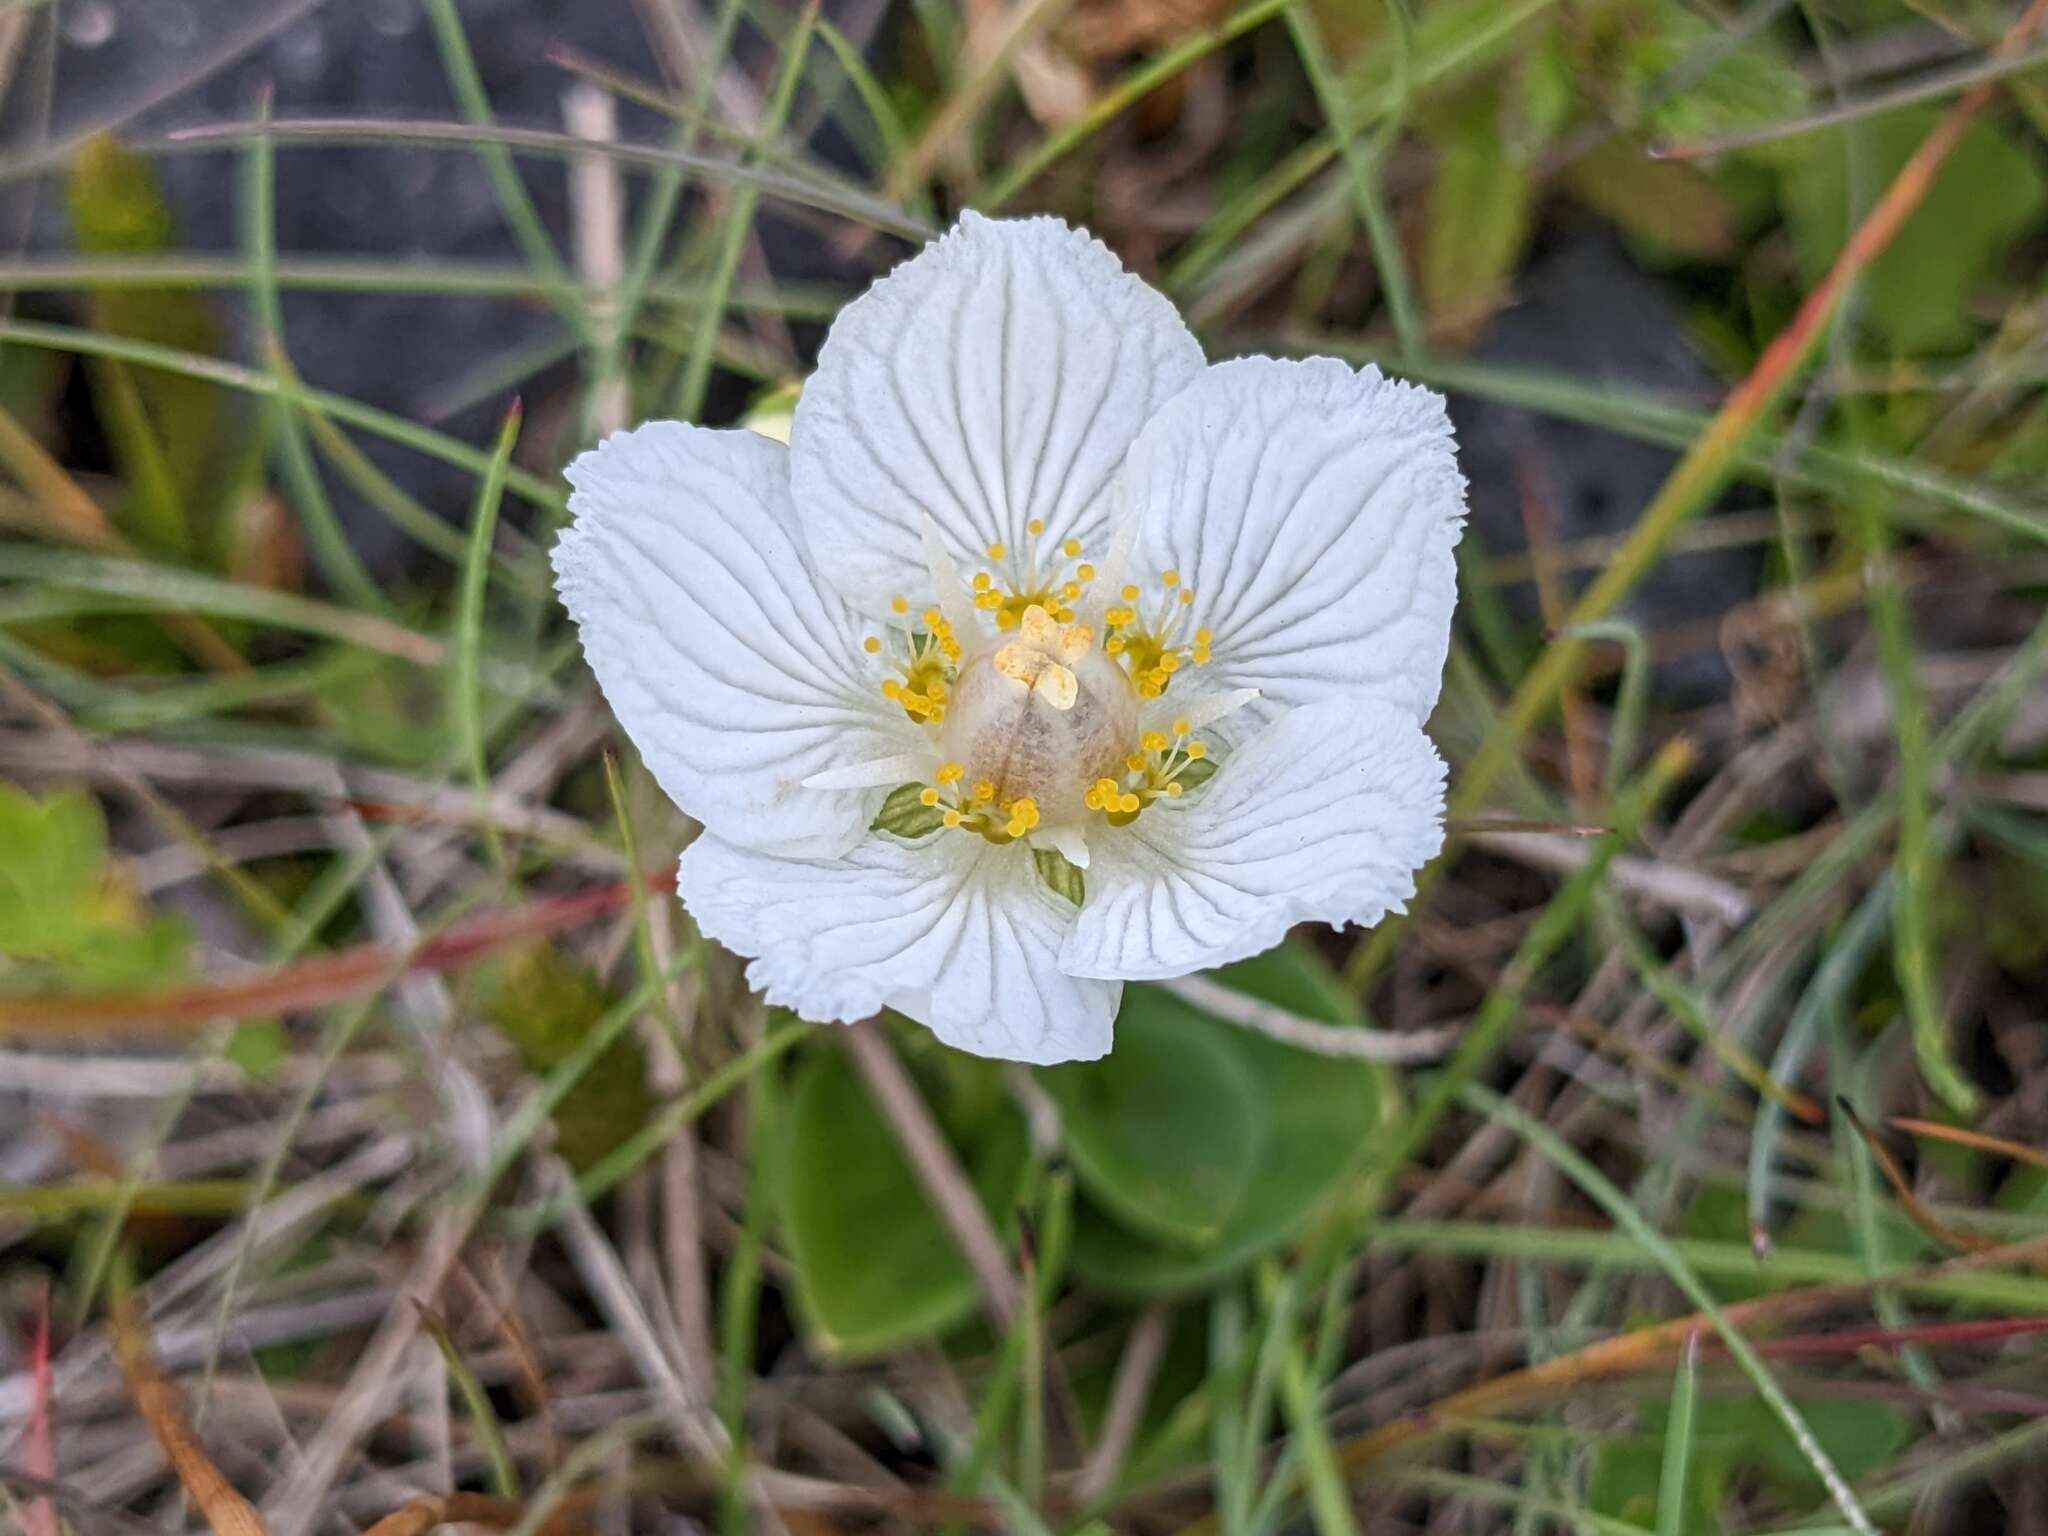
313, 983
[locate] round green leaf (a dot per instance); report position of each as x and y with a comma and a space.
1314, 1120
1161, 1129
875, 1268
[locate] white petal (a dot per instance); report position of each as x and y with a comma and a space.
1323, 817
1197, 711
943, 576
737, 671
1314, 511
997, 377
959, 935
880, 772
1069, 842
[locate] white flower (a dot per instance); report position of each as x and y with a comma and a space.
1178, 625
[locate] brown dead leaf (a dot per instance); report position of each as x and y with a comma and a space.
163, 1410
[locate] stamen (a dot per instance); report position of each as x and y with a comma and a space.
1149, 646
1047, 584
924, 661
1153, 773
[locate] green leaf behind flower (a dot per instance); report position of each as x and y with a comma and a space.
904, 814
1311, 1121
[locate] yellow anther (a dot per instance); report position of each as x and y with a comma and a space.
981, 581
953, 818
935, 689
1180, 727
984, 791
1035, 527
1129, 802
1129, 594
1020, 663
1057, 686
891, 688
1071, 548
933, 619
950, 773
1187, 596
1175, 790
928, 796
899, 605
1039, 628
1169, 578
1114, 645
1170, 663
1070, 590
1118, 617
997, 551
1082, 572
1135, 762
1202, 636
871, 645
1197, 749
1154, 741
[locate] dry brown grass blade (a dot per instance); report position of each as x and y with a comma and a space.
313, 983
163, 1410
1934, 1130
1895, 1176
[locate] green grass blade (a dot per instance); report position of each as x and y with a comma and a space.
513, 199
1623, 1211
1362, 163
736, 226
467, 644
64, 338
1678, 1437
331, 548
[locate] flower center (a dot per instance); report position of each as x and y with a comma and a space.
1038, 721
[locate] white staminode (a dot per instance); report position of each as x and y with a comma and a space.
1178, 626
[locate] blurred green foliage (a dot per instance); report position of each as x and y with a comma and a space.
67, 919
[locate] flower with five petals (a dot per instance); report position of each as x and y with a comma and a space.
1044, 658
